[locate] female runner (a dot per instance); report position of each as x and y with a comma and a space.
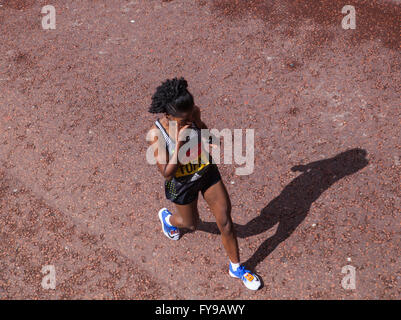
183, 181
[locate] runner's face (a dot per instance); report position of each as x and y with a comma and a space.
183, 119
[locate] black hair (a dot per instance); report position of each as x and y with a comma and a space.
172, 97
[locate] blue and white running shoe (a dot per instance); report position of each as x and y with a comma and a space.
171, 232
250, 280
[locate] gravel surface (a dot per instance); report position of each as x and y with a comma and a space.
76, 191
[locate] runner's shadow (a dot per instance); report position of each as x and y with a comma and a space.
292, 205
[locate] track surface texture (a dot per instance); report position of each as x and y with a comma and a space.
76, 191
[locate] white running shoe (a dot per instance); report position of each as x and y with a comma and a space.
171, 232
250, 280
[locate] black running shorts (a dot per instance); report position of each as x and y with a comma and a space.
184, 192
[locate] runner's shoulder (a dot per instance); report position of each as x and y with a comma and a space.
196, 110
152, 133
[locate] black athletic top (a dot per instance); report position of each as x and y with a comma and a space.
198, 158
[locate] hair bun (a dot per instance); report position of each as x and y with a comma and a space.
182, 84
171, 92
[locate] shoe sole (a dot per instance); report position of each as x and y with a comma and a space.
232, 274
161, 221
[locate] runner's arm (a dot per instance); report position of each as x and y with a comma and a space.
197, 119
201, 125
166, 166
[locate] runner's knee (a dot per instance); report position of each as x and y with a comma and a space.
226, 227
178, 220
224, 221
191, 227
190, 224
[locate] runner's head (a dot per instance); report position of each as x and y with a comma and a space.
173, 99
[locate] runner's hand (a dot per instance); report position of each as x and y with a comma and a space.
209, 142
180, 134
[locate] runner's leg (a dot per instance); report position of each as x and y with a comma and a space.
186, 216
218, 200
